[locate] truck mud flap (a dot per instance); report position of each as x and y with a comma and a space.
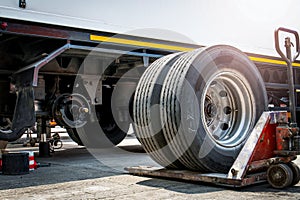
24, 115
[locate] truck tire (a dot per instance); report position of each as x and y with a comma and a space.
112, 133
146, 116
209, 101
74, 135
111, 128
101, 130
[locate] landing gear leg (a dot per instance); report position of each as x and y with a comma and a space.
44, 133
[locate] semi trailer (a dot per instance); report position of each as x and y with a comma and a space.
192, 77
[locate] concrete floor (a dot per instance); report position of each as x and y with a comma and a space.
76, 173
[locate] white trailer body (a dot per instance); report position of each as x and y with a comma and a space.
247, 25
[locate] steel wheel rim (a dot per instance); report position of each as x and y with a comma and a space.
227, 111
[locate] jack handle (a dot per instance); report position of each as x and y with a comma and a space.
290, 72
283, 56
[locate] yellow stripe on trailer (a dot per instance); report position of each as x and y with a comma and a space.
173, 48
271, 61
138, 43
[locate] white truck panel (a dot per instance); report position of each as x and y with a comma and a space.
248, 25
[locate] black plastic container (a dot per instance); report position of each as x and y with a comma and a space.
15, 163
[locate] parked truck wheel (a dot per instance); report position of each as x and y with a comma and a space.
109, 135
207, 104
98, 121
111, 128
74, 135
111, 131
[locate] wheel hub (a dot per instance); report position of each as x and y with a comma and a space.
71, 110
227, 109
210, 110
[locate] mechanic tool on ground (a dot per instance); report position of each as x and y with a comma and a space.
55, 142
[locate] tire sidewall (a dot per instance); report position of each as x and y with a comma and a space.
214, 60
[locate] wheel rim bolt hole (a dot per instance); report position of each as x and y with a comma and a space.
224, 126
227, 110
223, 93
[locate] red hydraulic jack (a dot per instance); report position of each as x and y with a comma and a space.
266, 156
268, 152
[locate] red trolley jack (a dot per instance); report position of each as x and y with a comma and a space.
266, 156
